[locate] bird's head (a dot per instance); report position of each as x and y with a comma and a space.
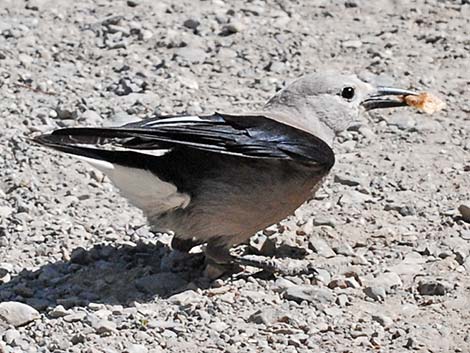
327, 103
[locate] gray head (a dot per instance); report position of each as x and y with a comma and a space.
327, 103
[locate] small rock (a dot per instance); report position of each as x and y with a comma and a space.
324, 221
121, 118
347, 180
5, 211
342, 300
321, 247
10, 336
383, 320
311, 294
230, 29
354, 44
433, 288
465, 212
59, 311
465, 234
376, 293
136, 348
192, 55
367, 133
388, 280
5, 270
266, 316
344, 249
338, 283
322, 275
281, 285
353, 197
185, 298
80, 256
189, 82
218, 326
132, 3
75, 317
333, 311
407, 210
402, 122
145, 34
17, 314
103, 327
191, 23
91, 117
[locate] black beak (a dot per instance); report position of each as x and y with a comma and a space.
379, 100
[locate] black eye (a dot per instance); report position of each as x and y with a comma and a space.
347, 93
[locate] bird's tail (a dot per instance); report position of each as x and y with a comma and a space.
133, 171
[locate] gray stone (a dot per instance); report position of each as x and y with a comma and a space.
348, 180
17, 314
75, 316
191, 23
121, 118
10, 336
353, 197
321, 247
433, 288
231, 28
103, 327
192, 55
344, 249
186, 297
5, 211
310, 294
91, 117
388, 280
266, 316
59, 311
383, 320
465, 212
402, 121
376, 293
354, 44
136, 348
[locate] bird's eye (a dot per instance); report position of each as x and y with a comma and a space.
347, 93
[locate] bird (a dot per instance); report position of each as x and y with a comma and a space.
219, 178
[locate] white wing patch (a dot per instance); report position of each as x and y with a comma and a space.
142, 188
172, 121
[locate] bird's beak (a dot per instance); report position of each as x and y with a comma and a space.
379, 99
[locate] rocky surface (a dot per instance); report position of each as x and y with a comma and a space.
389, 232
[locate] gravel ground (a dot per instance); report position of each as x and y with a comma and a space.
389, 232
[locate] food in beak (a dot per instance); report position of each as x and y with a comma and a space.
424, 101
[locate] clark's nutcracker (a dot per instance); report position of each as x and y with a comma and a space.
220, 178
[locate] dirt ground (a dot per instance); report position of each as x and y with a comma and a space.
389, 232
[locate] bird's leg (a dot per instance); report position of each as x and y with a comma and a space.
219, 262
290, 267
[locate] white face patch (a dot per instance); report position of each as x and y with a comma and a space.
141, 187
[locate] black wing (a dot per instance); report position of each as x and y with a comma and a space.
254, 136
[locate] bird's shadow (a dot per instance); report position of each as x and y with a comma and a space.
115, 275
108, 274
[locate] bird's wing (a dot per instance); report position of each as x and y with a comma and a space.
248, 136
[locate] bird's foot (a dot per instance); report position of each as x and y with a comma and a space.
216, 270
290, 267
